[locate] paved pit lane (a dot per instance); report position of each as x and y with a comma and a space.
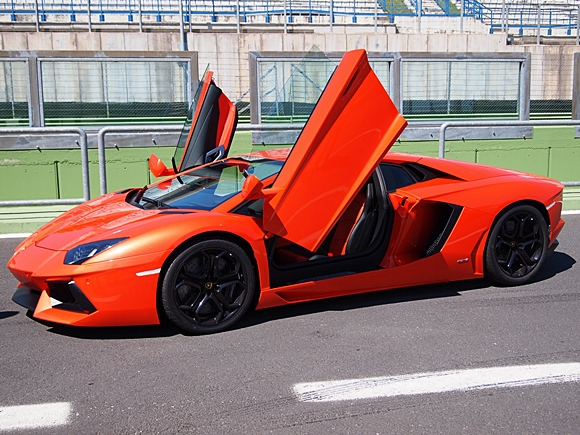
157, 380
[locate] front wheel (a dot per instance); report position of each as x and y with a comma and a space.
208, 287
517, 246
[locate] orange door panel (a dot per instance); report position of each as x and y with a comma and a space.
352, 127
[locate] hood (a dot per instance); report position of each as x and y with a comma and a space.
103, 218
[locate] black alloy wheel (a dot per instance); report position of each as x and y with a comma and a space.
208, 287
517, 246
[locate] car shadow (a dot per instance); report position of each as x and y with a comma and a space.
7, 314
364, 300
114, 333
558, 262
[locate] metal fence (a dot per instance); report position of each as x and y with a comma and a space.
423, 86
289, 89
83, 146
489, 125
51, 89
82, 89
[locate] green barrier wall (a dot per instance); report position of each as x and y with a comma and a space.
48, 174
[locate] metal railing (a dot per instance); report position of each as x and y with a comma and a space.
490, 124
84, 164
135, 129
101, 145
508, 17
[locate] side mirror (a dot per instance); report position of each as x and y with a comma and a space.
158, 168
252, 188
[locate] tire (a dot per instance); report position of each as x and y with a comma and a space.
208, 287
517, 246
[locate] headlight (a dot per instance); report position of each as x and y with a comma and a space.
82, 253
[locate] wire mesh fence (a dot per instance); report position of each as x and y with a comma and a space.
13, 93
551, 89
90, 91
96, 91
288, 90
456, 89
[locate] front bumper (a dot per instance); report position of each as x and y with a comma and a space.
122, 292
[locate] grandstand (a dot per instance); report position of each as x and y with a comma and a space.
520, 17
517, 17
558, 17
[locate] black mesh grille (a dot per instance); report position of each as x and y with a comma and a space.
59, 290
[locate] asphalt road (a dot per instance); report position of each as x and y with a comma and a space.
157, 380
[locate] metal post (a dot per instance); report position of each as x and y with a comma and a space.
36, 15
376, 7
419, 13
89, 15
237, 16
331, 14
538, 39
461, 15
183, 40
285, 20
503, 17
578, 27
140, 17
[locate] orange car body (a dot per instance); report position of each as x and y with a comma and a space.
437, 230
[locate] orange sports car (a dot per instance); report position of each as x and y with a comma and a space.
335, 215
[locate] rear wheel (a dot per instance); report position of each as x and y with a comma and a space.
517, 246
208, 287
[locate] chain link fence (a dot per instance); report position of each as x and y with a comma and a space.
289, 89
460, 89
94, 91
551, 86
14, 93
110, 92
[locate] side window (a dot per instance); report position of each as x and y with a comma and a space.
396, 177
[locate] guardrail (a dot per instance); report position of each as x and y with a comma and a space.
137, 129
543, 123
84, 163
101, 146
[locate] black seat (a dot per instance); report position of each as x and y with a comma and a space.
362, 233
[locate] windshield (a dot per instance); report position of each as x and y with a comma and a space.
207, 187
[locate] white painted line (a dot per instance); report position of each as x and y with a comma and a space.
34, 416
570, 211
15, 236
438, 382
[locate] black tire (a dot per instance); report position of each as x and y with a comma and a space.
208, 287
517, 246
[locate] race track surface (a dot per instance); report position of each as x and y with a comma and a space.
248, 381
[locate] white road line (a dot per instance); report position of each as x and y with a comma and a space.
570, 212
15, 235
438, 382
34, 416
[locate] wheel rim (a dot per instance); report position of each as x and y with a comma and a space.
519, 244
210, 287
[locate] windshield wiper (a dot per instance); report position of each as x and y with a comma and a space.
157, 202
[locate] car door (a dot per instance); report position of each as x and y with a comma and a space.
351, 128
209, 129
